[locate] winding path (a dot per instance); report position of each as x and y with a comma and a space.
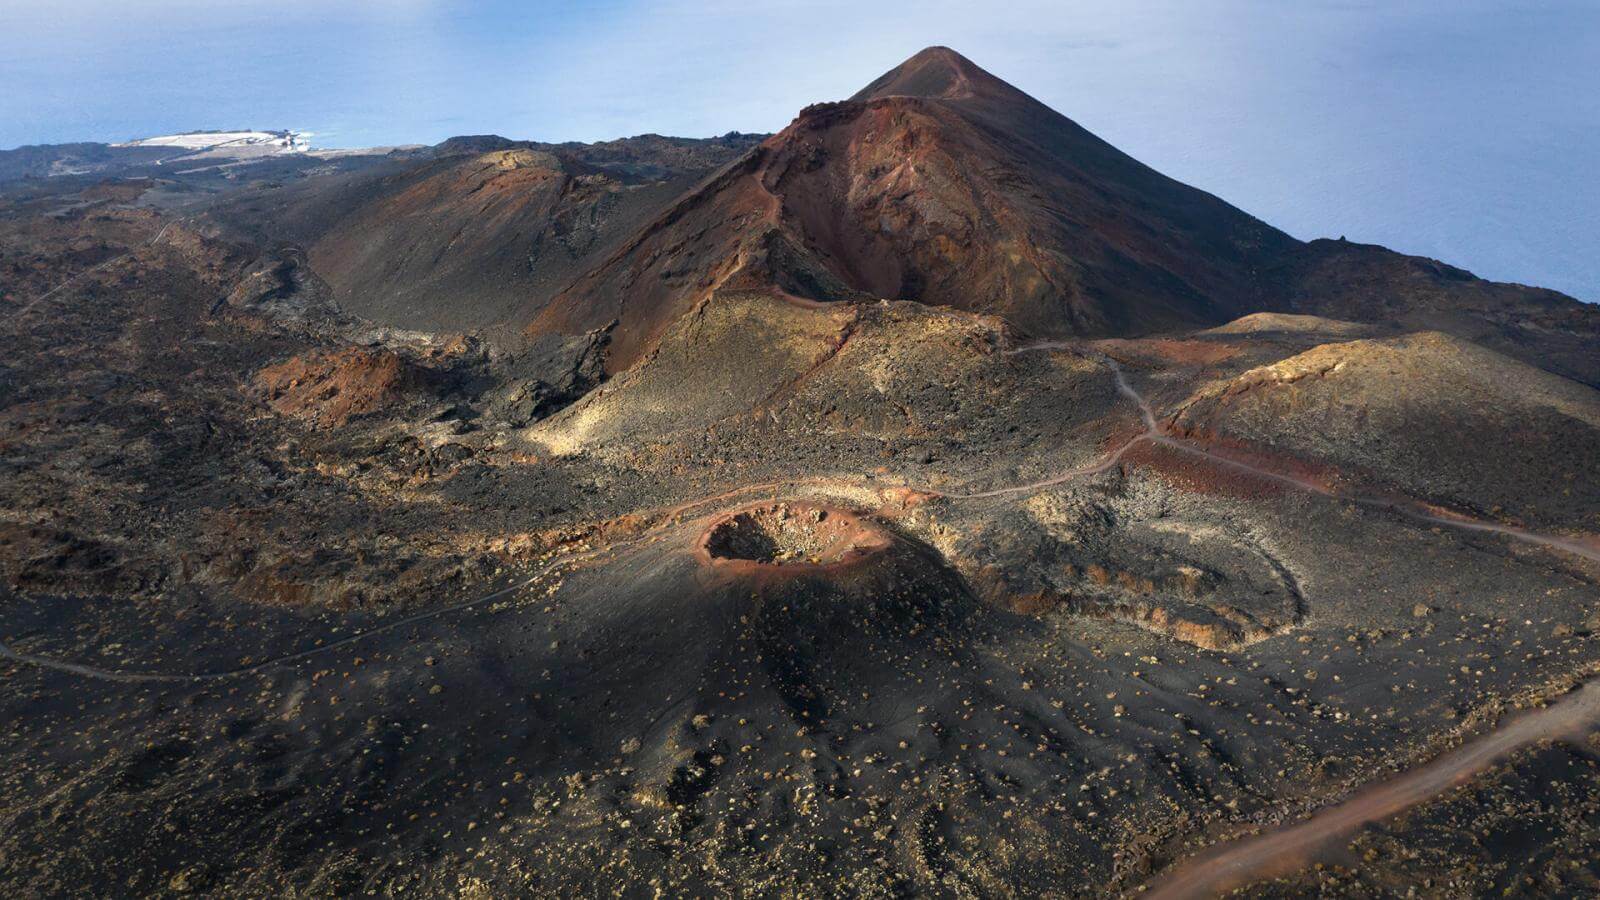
45, 662
24, 308
1146, 414
1410, 512
1233, 864
1288, 849
1152, 433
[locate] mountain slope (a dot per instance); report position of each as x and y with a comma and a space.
1418, 412
938, 183
481, 232
1368, 283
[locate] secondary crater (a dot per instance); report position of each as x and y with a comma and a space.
790, 535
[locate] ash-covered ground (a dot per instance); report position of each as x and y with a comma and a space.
810, 597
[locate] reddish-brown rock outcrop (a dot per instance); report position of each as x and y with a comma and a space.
326, 390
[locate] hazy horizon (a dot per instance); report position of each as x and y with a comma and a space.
1462, 131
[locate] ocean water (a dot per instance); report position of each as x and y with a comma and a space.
1466, 130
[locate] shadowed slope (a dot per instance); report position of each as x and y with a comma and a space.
937, 183
484, 230
942, 184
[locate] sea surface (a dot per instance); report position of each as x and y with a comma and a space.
1467, 130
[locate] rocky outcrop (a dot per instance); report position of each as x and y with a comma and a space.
327, 389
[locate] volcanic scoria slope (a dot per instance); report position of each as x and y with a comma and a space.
926, 499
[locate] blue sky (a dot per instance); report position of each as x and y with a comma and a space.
1465, 130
